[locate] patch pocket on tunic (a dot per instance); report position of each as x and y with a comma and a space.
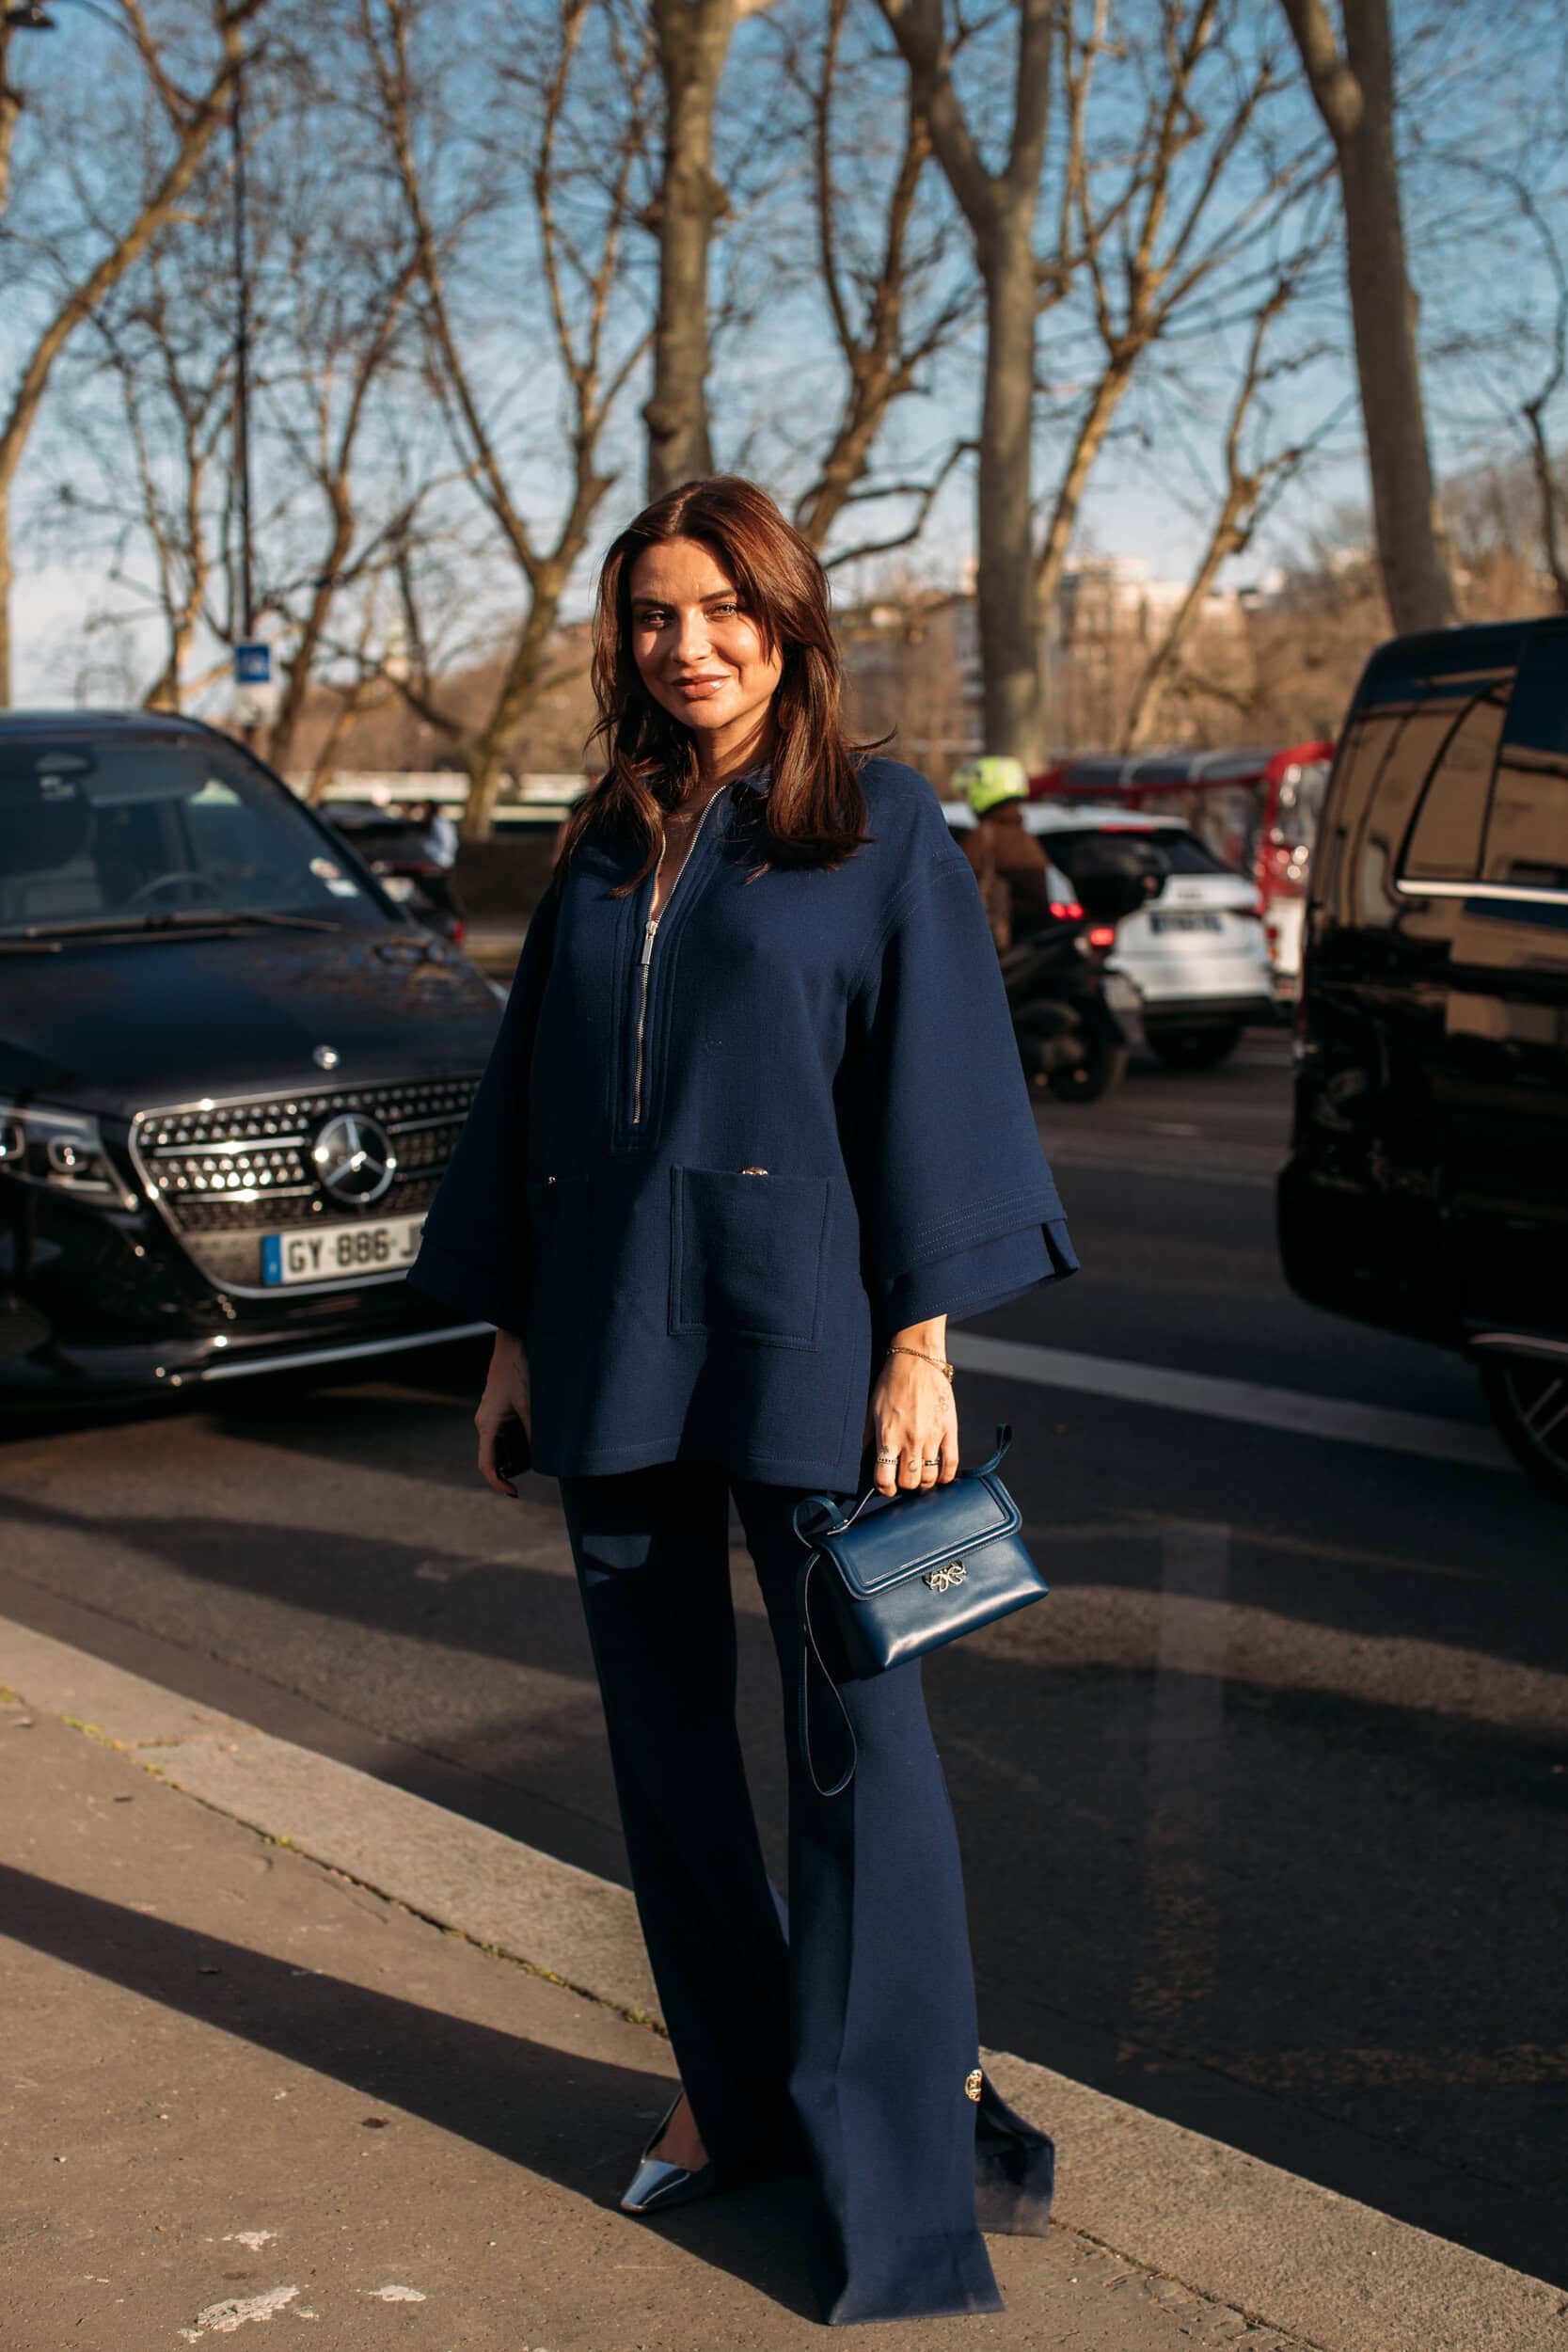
746, 1254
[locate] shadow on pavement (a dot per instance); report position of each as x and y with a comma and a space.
1261, 1813
549, 2111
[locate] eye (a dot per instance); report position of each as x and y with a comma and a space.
718, 612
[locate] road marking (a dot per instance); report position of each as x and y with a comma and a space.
1300, 1414
1188, 1793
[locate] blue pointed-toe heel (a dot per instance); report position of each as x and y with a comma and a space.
657, 2186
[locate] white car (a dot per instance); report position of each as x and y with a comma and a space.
1196, 952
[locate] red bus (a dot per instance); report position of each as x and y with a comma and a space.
1257, 810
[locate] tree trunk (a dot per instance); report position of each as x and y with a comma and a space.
301, 670
6, 580
1000, 210
1356, 98
1006, 601
324, 767
1229, 538
1068, 505
10, 112
693, 38
525, 671
1549, 495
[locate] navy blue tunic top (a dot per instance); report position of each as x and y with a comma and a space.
708, 1189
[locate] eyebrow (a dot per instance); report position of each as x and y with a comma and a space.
712, 597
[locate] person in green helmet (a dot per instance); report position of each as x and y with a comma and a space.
1008, 861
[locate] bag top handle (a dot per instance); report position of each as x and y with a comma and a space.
808, 1505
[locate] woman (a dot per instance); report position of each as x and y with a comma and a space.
755, 1128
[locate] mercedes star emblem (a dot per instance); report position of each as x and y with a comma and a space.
354, 1159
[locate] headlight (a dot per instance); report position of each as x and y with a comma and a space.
61, 1149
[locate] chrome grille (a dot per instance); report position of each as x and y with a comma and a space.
226, 1174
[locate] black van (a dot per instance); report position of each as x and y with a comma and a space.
1427, 1188
231, 1069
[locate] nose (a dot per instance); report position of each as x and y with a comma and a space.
691, 641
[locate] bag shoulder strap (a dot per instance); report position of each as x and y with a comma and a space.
811, 1656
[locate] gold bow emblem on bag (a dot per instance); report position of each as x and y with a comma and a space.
940, 1578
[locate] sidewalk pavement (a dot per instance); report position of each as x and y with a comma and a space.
359, 2092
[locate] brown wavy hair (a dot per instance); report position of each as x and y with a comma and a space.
814, 812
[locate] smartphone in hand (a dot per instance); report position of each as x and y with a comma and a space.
512, 1451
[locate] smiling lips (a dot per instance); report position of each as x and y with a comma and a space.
697, 689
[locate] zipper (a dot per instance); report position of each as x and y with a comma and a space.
648, 929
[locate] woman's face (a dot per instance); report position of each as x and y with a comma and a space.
699, 653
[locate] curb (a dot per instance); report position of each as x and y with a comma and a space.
1336, 2275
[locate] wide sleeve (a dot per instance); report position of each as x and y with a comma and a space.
474, 1253
958, 1208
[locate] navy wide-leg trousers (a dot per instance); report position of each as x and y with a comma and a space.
850, 2042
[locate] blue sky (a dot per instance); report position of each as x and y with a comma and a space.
1486, 84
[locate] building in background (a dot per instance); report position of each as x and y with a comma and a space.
913, 661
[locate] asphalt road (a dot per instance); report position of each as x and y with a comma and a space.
1263, 1810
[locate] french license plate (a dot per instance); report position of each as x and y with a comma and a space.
338, 1252
1185, 923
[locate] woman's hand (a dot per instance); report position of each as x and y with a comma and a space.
913, 1409
506, 1398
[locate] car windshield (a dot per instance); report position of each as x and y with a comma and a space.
95, 830
1158, 849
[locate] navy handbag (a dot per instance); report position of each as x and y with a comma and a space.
921, 1569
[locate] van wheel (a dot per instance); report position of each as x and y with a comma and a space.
1527, 1399
1195, 1049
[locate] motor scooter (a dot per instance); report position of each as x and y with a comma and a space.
1075, 1022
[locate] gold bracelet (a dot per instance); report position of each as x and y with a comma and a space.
896, 1347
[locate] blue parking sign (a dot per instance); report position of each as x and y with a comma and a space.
253, 663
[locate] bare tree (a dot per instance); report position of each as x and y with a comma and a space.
191, 122
578, 218
1353, 89
332, 280
175, 383
144, 402
343, 325
11, 105
1169, 223
692, 42
882, 265
999, 207
1252, 480
1521, 361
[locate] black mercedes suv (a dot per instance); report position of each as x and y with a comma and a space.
1427, 1187
231, 1069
